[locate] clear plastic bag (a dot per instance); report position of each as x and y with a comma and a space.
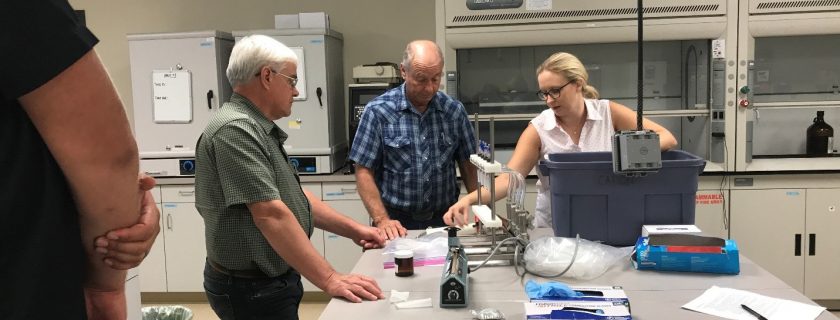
167, 313
571, 257
429, 249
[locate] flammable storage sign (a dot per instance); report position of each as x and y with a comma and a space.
709, 198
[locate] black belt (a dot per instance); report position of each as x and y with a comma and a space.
247, 274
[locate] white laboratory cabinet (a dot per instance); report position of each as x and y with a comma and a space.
176, 261
183, 239
787, 224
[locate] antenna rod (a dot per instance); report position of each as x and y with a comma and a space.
639, 109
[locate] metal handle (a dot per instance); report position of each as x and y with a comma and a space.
186, 193
354, 190
210, 99
797, 246
169, 221
812, 243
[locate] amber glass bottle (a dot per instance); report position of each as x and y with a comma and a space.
820, 136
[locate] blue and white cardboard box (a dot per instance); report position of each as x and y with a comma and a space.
592, 293
687, 253
578, 310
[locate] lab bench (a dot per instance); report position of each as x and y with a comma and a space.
653, 295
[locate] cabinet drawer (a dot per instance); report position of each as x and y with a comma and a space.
181, 193
340, 191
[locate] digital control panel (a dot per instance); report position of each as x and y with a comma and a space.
304, 164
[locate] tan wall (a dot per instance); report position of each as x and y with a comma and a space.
374, 30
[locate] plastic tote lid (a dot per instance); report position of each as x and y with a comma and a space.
403, 254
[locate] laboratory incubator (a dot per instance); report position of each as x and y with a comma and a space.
178, 82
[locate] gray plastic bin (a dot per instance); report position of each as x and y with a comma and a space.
587, 198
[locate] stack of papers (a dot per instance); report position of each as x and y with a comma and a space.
726, 303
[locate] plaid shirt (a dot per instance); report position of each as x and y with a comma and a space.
413, 155
240, 159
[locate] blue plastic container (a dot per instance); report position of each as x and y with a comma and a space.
587, 198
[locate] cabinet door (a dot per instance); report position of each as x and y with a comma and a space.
822, 280
341, 252
184, 245
153, 269
766, 224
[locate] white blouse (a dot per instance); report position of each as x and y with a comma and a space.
596, 135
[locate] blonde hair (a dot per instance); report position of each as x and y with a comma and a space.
569, 66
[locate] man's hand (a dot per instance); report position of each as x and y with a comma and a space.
105, 305
127, 247
369, 237
391, 228
458, 213
353, 287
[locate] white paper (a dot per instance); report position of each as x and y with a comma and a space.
726, 303
171, 96
419, 303
398, 296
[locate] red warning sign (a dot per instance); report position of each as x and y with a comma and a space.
709, 198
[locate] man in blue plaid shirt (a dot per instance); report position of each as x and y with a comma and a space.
407, 144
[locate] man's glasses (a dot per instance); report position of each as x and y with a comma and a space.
292, 80
554, 93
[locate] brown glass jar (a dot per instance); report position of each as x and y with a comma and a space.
404, 263
820, 136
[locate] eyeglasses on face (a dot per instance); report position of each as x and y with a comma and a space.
292, 80
554, 93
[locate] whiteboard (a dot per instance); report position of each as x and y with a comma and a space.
301, 73
172, 96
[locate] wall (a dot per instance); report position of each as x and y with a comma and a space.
374, 30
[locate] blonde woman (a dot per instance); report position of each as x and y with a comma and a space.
575, 121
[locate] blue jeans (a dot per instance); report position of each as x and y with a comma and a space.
234, 298
407, 219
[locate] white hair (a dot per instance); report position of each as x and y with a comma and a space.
254, 52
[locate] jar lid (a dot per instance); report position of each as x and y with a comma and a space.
403, 254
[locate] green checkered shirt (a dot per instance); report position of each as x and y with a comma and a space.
240, 159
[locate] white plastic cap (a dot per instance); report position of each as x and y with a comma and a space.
403, 254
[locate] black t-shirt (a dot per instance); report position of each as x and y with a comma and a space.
41, 255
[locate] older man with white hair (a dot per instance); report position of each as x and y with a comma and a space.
257, 217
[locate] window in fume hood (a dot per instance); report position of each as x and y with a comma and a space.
503, 81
